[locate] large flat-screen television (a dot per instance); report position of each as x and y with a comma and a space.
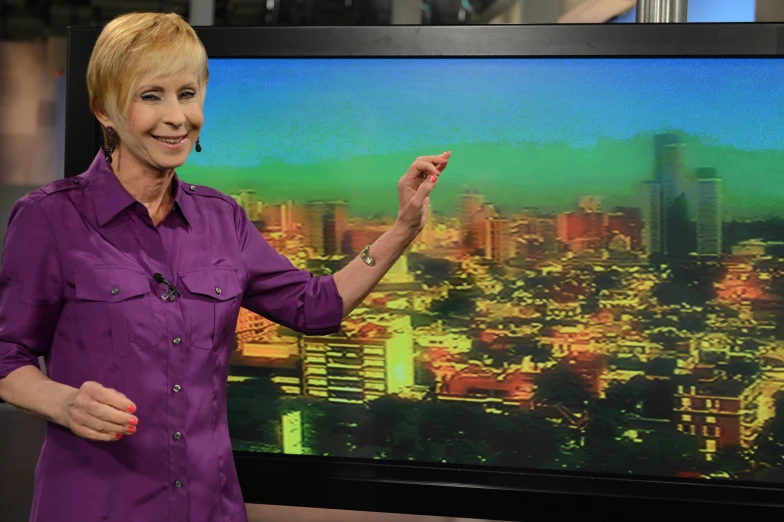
592, 318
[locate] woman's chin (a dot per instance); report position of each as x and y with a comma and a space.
170, 161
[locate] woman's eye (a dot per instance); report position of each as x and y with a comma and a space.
188, 94
149, 97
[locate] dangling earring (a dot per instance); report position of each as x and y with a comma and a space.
198, 145
112, 144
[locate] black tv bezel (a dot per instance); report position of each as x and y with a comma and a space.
431, 489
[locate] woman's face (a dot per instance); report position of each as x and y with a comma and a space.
163, 123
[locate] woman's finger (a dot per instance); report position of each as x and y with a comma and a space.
89, 433
85, 417
440, 159
425, 168
427, 165
113, 398
114, 416
423, 191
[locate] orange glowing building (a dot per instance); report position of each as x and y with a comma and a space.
591, 367
627, 222
358, 237
489, 386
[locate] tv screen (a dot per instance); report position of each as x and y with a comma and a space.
596, 295
598, 286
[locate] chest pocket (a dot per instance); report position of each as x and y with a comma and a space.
117, 310
213, 302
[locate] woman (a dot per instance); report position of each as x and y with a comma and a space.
129, 281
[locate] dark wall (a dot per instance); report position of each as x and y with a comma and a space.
21, 435
9, 194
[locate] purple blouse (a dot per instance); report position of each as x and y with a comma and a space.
77, 287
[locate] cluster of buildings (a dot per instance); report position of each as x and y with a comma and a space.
534, 280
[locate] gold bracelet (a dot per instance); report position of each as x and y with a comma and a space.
366, 257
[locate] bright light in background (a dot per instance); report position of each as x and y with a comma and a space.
721, 10
706, 11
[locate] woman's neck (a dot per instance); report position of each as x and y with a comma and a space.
149, 187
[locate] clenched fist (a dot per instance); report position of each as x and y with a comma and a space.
98, 413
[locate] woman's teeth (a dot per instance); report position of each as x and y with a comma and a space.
170, 141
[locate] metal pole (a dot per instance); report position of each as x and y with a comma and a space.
662, 11
202, 12
406, 12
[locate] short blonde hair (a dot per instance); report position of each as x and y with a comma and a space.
135, 44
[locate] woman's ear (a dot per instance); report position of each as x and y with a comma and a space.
105, 120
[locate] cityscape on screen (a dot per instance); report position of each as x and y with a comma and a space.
602, 296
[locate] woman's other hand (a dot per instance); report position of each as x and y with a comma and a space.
98, 413
414, 190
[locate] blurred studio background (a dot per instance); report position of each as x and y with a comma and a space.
32, 125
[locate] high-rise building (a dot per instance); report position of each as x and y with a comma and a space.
581, 230
653, 208
498, 243
378, 360
272, 217
248, 200
594, 224
299, 214
545, 227
285, 217
569, 226
277, 217
471, 210
470, 203
359, 236
709, 213
628, 222
666, 204
668, 165
325, 224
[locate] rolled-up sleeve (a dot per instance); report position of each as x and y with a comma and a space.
281, 292
30, 287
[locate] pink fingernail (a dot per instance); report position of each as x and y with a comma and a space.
118, 436
433, 178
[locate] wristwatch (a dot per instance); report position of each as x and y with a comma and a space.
366, 257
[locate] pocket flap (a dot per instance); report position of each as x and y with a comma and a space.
110, 284
217, 283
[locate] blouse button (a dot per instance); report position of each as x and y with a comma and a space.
193, 188
177, 435
178, 483
76, 181
176, 340
115, 290
217, 290
177, 388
